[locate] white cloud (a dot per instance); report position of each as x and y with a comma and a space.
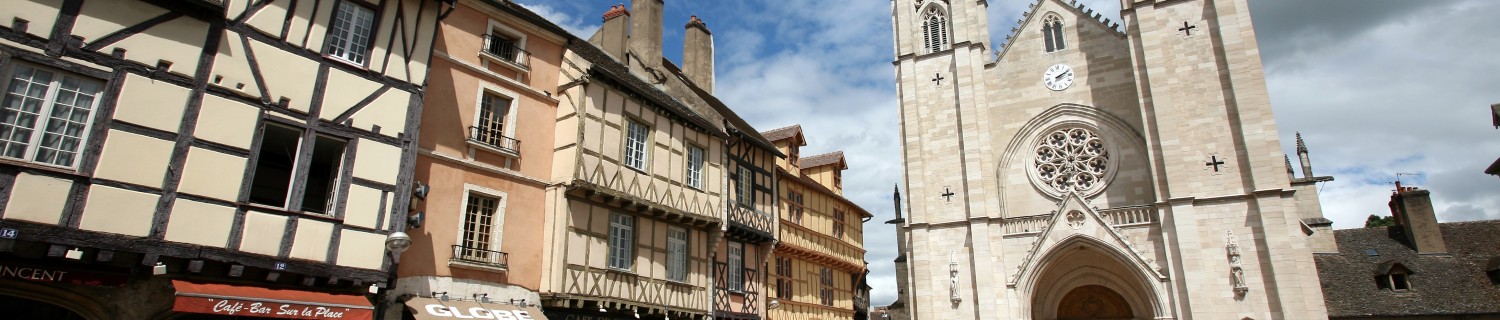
573, 24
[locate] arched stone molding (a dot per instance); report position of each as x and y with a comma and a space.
79, 303
1116, 133
1143, 288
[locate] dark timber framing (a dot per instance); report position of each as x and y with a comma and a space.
63, 51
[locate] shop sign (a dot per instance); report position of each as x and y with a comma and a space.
60, 275
432, 309
236, 307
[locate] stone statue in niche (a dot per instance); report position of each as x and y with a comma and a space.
1236, 269
953, 277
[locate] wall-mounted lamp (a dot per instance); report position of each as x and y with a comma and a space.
481, 297
74, 254
159, 269
397, 242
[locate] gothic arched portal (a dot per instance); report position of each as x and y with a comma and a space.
1093, 302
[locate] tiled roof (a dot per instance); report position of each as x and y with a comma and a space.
783, 132
613, 71
824, 159
729, 115
815, 185
1440, 284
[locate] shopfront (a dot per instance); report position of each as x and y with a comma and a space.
437, 309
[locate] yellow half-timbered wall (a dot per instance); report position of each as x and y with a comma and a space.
176, 128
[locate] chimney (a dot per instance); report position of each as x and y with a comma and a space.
645, 31
611, 36
698, 54
1302, 156
1412, 208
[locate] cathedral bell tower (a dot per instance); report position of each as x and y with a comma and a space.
1214, 145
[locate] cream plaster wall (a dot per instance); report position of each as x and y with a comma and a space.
41, 198
91, 25
388, 112
270, 19
346, 90
212, 174
227, 122
200, 223
291, 78
311, 240
151, 103
178, 41
377, 161
361, 249
119, 211
39, 14
262, 233
134, 158
363, 207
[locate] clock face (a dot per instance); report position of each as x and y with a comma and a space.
1058, 77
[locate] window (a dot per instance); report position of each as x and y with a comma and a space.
635, 145
695, 167
783, 278
677, 254
794, 206
479, 224
621, 241
935, 30
742, 183
490, 125
736, 263
825, 294
838, 223
792, 155
1052, 32
838, 178
505, 47
277, 161
1494, 276
1397, 279
60, 105
349, 34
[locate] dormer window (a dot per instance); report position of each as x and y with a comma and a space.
1395, 278
934, 29
1052, 32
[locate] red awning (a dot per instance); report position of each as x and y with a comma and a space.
235, 300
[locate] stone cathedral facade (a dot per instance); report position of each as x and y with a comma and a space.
1090, 169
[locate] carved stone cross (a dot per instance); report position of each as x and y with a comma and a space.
947, 194
1187, 29
1215, 162
937, 79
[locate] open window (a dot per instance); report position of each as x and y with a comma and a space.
277, 181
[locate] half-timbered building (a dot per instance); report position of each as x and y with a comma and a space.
819, 256
486, 154
161, 159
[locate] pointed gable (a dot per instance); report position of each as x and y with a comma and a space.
1073, 219
1028, 34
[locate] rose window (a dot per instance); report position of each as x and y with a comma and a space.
1072, 159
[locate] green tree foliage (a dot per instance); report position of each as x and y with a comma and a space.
1375, 221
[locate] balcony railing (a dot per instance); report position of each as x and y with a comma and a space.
480, 256
495, 137
754, 220
507, 50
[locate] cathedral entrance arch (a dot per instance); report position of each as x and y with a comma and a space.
1083, 278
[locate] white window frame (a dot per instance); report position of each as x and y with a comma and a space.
677, 254
735, 279
497, 231
510, 118
299, 162
496, 27
43, 116
347, 36
620, 232
742, 184
637, 151
695, 159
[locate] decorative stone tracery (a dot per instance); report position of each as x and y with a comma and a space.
1071, 160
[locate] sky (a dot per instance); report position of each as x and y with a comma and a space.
1377, 88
